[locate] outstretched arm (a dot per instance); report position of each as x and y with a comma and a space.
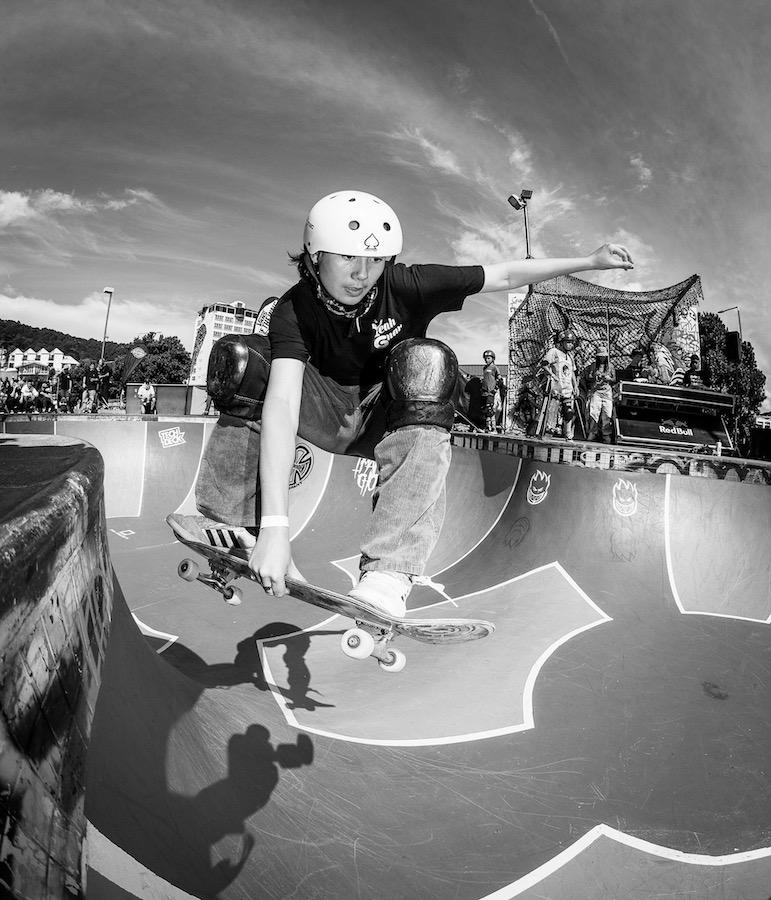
507, 276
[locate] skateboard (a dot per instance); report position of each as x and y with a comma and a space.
373, 631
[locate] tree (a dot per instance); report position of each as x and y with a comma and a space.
167, 361
743, 379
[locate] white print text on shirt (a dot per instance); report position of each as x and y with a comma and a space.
385, 332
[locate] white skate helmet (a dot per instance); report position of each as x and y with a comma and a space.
353, 223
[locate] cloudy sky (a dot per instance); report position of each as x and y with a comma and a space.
171, 149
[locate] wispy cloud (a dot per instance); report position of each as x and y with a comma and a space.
553, 32
19, 208
428, 153
519, 153
642, 171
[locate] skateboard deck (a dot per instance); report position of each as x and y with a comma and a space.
227, 565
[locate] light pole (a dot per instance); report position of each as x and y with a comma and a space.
109, 292
738, 316
521, 203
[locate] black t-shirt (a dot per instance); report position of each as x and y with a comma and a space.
353, 351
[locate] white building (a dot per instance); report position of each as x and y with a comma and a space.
211, 323
37, 361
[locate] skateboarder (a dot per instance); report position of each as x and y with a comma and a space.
347, 366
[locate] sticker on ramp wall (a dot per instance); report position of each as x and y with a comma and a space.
365, 474
171, 437
303, 463
625, 497
538, 488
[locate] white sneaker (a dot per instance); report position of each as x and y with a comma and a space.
224, 536
387, 591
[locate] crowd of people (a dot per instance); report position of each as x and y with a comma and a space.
560, 394
86, 390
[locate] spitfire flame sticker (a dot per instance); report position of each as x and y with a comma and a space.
538, 488
625, 497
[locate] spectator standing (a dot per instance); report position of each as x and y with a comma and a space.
528, 404
103, 383
598, 379
490, 378
63, 389
562, 385
90, 387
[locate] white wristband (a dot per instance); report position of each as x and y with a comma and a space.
274, 522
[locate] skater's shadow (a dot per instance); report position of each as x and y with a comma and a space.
247, 666
219, 812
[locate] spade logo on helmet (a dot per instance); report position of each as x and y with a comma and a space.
372, 243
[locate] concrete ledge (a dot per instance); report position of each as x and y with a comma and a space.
55, 608
622, 459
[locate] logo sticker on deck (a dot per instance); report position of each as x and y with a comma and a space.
625, 497
303, 463
171, 437
538, 488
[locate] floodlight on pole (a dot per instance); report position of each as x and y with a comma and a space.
521, 203
738, 316
109, 291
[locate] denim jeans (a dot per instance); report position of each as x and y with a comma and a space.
409, 500
600, 411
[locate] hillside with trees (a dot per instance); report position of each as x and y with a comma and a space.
167, 360
15, 334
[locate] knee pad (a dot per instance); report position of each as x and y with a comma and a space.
421, 378
237, 376
568, 408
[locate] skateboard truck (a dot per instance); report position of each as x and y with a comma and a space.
370, 640
218, 578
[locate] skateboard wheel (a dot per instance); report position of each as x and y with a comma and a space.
393, 661
188, 570
357, 644
233, 595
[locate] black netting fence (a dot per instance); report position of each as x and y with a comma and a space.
660, 321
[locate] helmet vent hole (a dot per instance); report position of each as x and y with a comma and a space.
386, 226
353, 224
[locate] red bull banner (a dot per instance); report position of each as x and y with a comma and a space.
677, 430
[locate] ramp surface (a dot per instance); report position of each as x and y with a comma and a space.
611, 739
